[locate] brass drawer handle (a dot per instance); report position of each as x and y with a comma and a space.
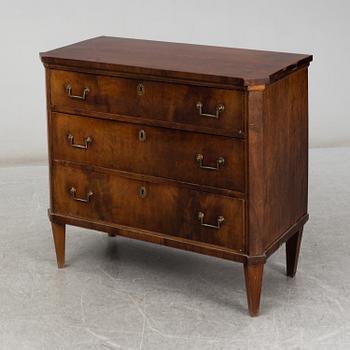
219, 220
77, 97
86, 144
73, 192
219, 108
219, 162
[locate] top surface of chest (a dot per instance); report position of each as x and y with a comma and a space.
239, 67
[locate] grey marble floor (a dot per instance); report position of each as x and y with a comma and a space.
124, 294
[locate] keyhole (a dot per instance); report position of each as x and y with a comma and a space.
143, 192
142, 135
140, 89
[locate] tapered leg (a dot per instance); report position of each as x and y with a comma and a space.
253, 280
59, 237
292, 253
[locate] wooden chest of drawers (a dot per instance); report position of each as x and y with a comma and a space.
194, 147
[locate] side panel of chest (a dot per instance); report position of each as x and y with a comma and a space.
278, 159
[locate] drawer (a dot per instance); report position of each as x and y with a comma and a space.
203, 159
163, 208
216, 109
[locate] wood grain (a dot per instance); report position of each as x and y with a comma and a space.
292, 253
255, 172
253, 279
160, 101
164, 152
167, 209
285, 137
204, 63
59, 237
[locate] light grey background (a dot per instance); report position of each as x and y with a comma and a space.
27, 27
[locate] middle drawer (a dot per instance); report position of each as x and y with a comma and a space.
197, 158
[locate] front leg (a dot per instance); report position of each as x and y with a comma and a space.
253, 273
59, 237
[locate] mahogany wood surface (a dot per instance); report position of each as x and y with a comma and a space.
253, 274
175, 241
213, 64
59, 237
161, 152
278, 159
292, 253
285, 134
138, 175
157, 101
171, 210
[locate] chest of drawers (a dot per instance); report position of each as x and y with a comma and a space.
193, 147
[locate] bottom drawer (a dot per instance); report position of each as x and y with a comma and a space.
159, 207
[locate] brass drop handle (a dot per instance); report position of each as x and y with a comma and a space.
77, 97
219, 162
73, 192
86, 144
219, 108
219, 220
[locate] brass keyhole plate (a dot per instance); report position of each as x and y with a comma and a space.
142, 135
140, 89
143, 192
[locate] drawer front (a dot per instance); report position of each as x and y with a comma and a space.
163, 208
203, 159
212, 108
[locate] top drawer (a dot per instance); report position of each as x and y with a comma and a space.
213, 110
